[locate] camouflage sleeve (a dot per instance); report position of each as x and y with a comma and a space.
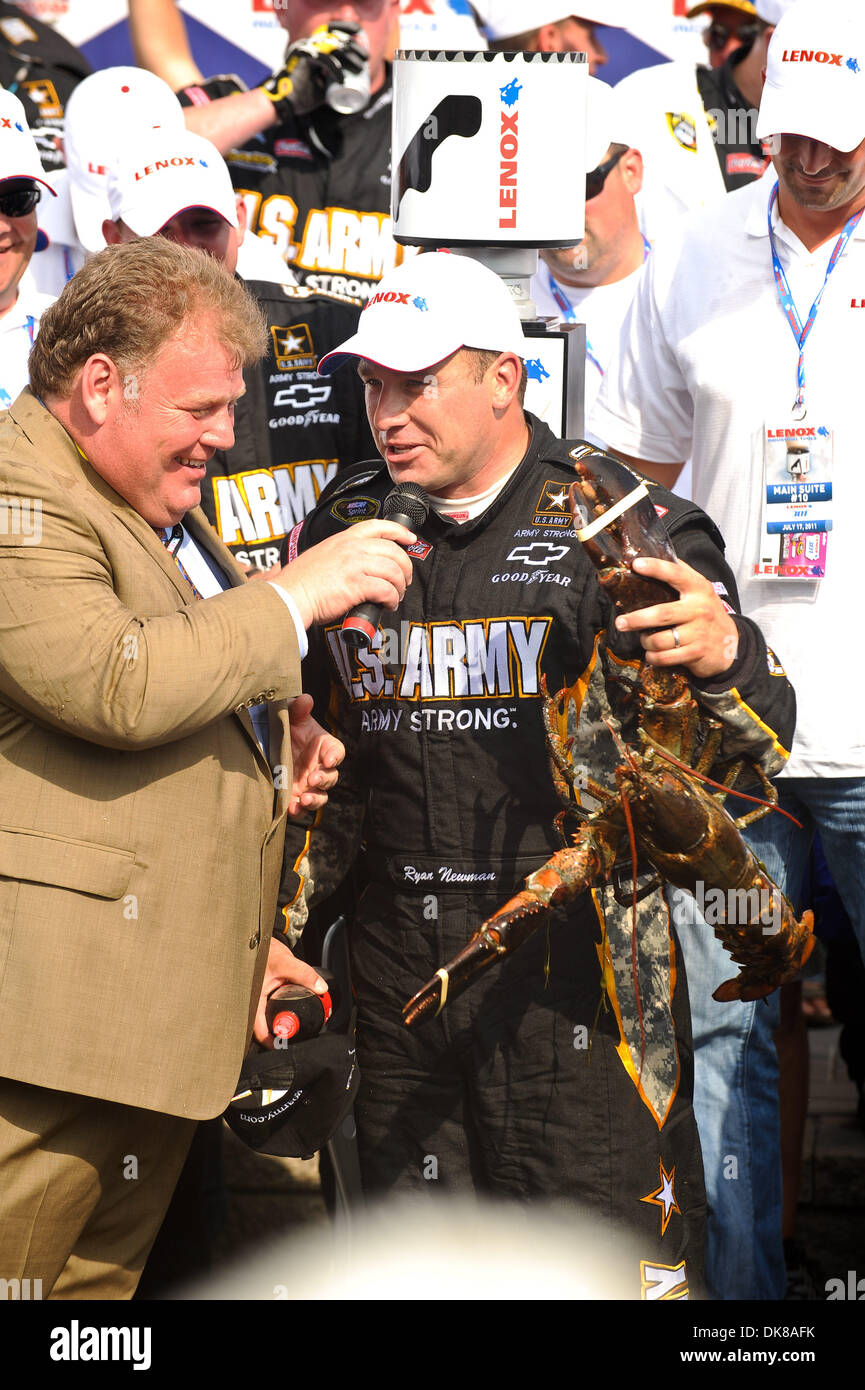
757, 707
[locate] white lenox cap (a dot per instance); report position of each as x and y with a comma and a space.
19, 157
426, 309
103, 113
502, 19
815, 75
164, 173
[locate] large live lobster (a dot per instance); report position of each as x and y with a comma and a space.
662, 809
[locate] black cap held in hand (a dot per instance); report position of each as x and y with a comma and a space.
408, 505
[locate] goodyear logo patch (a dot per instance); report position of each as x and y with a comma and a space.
683, 129
348, 510
293, 346
553, 508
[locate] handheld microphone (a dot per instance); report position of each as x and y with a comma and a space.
408, 505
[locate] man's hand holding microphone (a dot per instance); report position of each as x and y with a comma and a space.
366, 564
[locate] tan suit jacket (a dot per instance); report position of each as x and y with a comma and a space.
141, 834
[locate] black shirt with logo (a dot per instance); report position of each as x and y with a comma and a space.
293, 429
41, 68
319, 187
733, 123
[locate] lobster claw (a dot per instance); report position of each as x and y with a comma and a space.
568, 873
620, 524
503, 933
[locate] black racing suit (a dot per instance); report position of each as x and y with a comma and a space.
523, 1085
733, 123
293, 429
42, 68
319, 187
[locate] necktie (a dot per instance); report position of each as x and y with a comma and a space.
172, 539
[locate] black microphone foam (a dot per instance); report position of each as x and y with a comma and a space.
408, 505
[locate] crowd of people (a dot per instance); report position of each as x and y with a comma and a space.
197, 453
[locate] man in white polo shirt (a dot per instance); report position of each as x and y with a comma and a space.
21, 304
740, 351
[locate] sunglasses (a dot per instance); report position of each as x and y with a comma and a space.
718, 35
596, 178
18, 202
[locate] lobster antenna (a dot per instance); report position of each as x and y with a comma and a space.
719, 786
622, 747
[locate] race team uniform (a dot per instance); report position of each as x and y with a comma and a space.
318, 186
448, 772
293, 429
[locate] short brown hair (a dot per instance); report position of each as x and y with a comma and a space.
129, 300
482, 359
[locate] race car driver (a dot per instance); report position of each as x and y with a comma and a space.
448, 782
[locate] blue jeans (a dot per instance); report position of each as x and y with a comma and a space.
836, 807
736, 1107
735, 1064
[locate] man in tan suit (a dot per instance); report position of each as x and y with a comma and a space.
145, 759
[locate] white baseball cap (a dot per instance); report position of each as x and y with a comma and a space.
103, 113
610, 120
426, 309
771, 10
19, 157
165, 172
502, 19
815, 75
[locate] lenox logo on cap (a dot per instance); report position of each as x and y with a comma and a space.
811, 55
176, 161
6, 123
397, 297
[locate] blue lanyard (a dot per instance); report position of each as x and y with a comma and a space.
800, 332
566, 308
30, 325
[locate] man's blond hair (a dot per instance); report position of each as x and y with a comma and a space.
129, 301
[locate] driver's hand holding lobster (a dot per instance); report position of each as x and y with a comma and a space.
697, 631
